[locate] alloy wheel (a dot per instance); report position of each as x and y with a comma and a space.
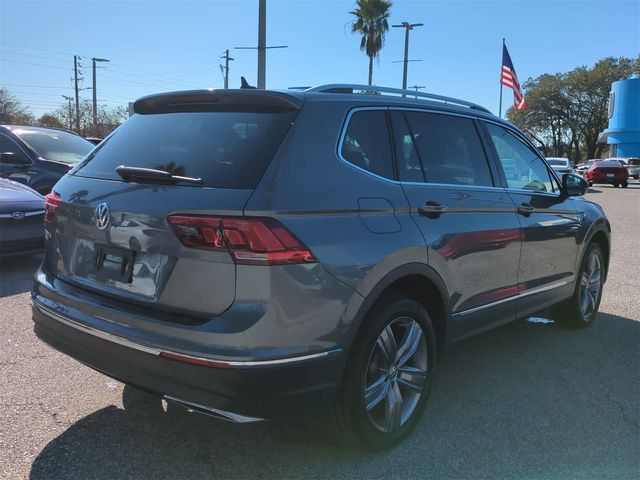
590, 285
396, 374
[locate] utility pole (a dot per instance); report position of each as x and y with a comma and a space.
75, 74
94, 60
69, 99
227, 59
407, 26
262, 44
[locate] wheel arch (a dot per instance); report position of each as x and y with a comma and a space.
599, 233
419, 282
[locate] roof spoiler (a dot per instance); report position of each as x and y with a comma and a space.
226, 100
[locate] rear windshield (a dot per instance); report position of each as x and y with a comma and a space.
557, 162
225, 149
609, 163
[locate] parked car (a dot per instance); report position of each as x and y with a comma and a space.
21, 219
632, 165
582, 167
261, 269
561, 165
607, 171
39, 157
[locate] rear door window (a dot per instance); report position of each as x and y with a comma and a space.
439, 148
225, 149
366, 142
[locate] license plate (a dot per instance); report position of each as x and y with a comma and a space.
610, 175
111, 263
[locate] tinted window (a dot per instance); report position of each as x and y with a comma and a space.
522, 167
608, 164
11, 152
439, 149
366, 142
634, 161
225, 149
54, 145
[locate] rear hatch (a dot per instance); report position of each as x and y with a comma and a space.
193, 153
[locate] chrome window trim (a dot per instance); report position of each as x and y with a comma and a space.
526, 293
157, 351
343, 133
26, 214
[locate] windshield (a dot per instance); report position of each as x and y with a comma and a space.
224, 149
634, 161
55, 145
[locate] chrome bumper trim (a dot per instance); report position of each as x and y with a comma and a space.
157, 351
213, 412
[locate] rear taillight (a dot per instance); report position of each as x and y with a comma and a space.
51, 204
251, 241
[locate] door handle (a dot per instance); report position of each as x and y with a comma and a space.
431, 209
525, 209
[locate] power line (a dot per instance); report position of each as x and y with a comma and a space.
32, 63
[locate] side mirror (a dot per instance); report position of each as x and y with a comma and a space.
573, 185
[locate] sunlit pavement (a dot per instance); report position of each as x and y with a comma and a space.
529, 400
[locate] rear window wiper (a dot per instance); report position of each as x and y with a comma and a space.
139, 174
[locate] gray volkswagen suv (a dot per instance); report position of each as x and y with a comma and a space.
249, 253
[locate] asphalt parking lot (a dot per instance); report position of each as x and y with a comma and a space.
528, 400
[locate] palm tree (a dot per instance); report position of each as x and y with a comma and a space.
371, 23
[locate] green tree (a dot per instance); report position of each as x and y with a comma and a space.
566, 112
12, 111
371, 23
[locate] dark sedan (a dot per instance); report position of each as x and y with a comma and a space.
39, 157
21, 219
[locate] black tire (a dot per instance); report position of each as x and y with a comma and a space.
625, 185
571, 313
590, 184
357, 423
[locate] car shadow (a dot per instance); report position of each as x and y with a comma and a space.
527, 400
16, 273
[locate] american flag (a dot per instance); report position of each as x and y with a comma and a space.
508, 78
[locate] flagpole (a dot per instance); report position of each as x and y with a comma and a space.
500, 107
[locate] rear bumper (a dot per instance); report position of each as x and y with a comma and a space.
251, 391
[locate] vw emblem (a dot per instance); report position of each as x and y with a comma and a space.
103, 216
17, 215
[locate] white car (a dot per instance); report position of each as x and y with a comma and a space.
561, 165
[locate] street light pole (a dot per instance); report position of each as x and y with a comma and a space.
407, 26
69, 99
95, 95
416, 88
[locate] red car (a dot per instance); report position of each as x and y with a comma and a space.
607, 171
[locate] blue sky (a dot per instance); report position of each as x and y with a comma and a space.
170, 45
